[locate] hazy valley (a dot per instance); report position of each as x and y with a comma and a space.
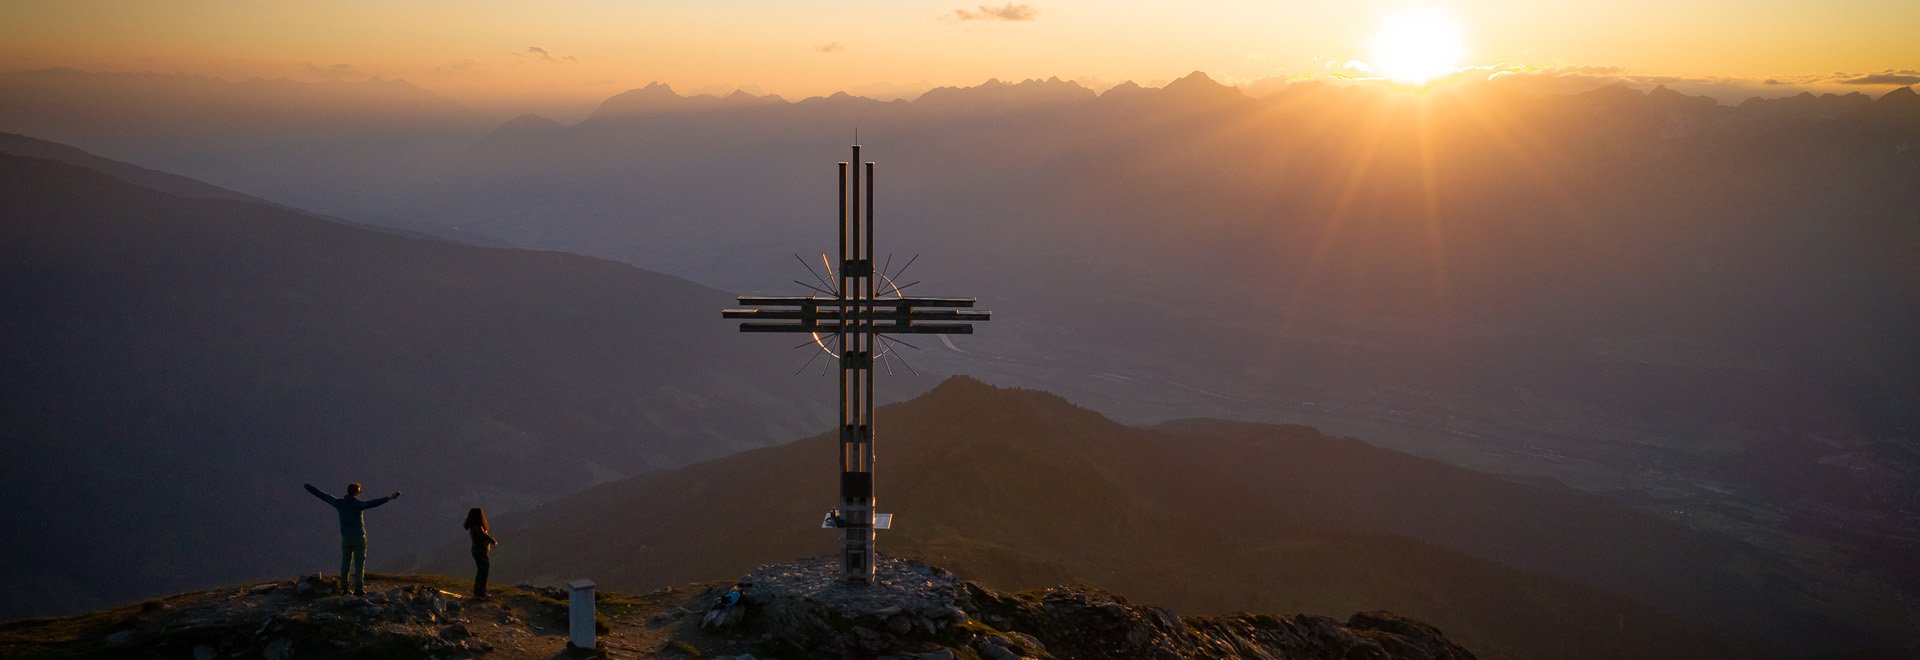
1680, 326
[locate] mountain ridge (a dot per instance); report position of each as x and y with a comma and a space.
228, 351
1017, 489
659, 98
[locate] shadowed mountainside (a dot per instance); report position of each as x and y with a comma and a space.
176, 368
1020, 489
172, 184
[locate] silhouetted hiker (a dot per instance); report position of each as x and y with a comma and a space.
482, 547
353, 532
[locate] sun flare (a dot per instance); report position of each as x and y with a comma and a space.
1416, 46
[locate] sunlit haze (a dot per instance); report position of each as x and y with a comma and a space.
572, 54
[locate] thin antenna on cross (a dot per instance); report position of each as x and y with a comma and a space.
903, 269
809, 363
816, 276
898, 356
810, 286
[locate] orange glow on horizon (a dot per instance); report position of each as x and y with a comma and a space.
512, 53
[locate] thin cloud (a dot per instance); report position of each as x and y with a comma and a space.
1008, 12
331, 71
1576, 79
834, 47
1887, 77
538, 54
1573, 80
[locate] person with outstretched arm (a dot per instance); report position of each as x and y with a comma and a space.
482, 550
353, 533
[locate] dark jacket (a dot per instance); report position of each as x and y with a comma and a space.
353, 526
482, 541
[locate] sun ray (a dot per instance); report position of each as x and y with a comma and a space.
1523, 145
1430, 200
1358, 165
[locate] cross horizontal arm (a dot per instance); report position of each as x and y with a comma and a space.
883, 329
833, 314
823, 301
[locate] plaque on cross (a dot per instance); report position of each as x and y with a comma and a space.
851, 323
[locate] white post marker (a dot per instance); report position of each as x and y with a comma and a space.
580, 614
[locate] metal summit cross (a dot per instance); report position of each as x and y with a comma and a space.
852, 319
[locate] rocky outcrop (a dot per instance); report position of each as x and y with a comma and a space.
793, 610
919, 611
1088, 623
303, 618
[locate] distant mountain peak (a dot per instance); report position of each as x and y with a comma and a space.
995, 94
966, 388
1125, 88
1196, 78
1200, 85
654, 98
1198, 81
960, 384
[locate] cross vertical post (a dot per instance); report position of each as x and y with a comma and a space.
856, 374
857, 317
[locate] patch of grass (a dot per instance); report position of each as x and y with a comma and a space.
958, 634
85, 634
68, 629
441, 582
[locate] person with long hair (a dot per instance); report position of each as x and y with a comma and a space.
482, 550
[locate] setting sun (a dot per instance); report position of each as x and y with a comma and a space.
1416, 46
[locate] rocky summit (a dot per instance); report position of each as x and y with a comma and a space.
919, 611
397, 617
799, 609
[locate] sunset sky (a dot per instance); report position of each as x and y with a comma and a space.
483, 51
